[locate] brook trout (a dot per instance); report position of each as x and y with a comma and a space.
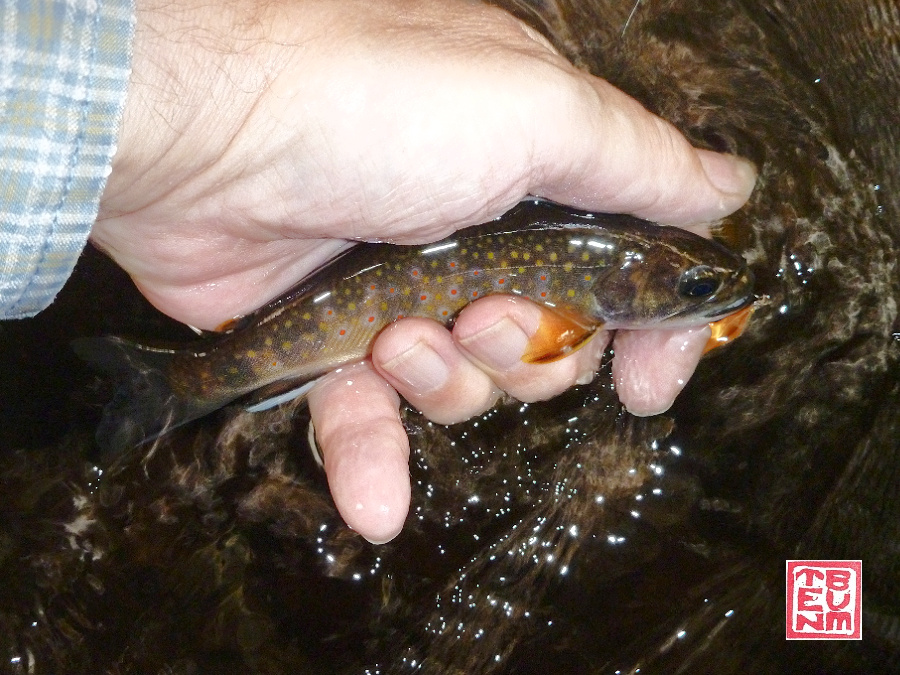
591, 270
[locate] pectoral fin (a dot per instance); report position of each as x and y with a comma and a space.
559, 334
727, 329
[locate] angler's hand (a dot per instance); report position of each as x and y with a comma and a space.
260, 137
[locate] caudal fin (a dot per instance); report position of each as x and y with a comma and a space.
144, 405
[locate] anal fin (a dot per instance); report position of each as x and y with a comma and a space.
276, 393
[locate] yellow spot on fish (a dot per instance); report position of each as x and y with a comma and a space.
513, 254
570, 293
475, 255
251, 354
351, 306
306, 317
553, 256
434, 263
233, 371
587, 277
526, 255
585, 256
490, 255
568, 267
286, 345
268, 342
384, 306
539, 248
504, 264
288, 324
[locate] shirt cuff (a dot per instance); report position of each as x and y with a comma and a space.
64, 69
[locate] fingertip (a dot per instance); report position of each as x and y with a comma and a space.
650, 368
618, 157
405, 353
498, 331
420, 359
733, 176
365, 450
370, 483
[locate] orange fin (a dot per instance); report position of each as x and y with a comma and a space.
229, 325
559, 334
727, 329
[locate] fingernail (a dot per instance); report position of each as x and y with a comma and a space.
730, 174
419, 367
499, 346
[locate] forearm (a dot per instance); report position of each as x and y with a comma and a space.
65, 67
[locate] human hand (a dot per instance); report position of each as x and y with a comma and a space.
260, 138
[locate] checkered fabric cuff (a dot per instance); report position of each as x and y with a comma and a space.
64, 68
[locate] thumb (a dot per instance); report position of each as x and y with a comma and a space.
606, 152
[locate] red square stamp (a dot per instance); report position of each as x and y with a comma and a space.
824, 600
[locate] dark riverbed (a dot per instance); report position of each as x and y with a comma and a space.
564, 537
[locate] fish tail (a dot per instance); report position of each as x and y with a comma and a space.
144, 405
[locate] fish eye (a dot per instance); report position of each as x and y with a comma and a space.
698, 282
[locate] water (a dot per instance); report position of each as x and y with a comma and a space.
553, 538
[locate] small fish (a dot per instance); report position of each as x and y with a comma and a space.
590, 271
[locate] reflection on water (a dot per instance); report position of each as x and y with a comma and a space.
564, 537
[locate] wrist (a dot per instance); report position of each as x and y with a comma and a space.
196, 74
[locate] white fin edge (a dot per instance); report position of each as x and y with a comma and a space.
282, 398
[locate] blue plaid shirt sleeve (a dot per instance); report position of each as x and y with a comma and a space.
64, 68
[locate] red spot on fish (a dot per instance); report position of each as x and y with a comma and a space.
399, 316
371, 319
415, 273
474, 294
423, 297
502, 281
390, 290
475, 273
342, 332
329, 312
543, 294
372, 287
445, 312
452, 264
543, 277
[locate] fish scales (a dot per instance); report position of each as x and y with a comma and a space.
603, 270
321, 330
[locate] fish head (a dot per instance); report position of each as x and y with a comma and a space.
668, 278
